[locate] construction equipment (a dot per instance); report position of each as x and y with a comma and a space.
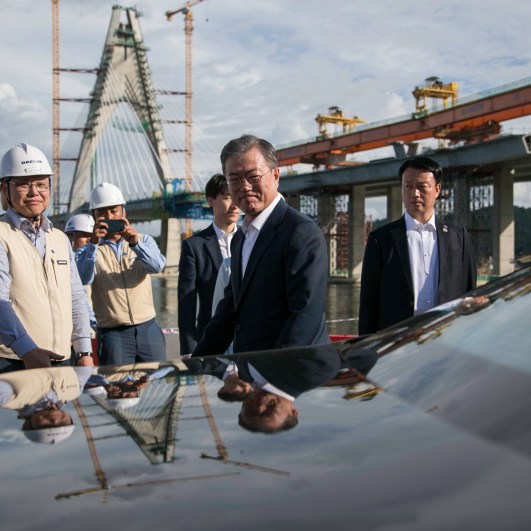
56, 145
335, 116
434, 88
188, 29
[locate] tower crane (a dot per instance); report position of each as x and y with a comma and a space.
56, 149
188, 29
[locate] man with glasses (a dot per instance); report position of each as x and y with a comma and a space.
43, 310
277, 292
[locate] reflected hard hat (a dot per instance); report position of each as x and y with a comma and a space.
52, 435
97, 390
105, 195
123, 403
81, 223
24, 161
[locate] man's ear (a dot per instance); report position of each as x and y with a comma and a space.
210, 201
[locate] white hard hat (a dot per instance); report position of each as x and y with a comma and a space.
24, 161
105, 195
81, 223
97, 390
123, 403
52, 435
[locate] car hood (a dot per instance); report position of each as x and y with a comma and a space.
424, 425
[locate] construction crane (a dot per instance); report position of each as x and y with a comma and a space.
335, 116
56, 135
188, 29
434, 88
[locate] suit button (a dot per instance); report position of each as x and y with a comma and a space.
238, 328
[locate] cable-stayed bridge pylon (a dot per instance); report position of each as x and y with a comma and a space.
123, 102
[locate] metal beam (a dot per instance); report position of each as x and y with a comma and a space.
510, 150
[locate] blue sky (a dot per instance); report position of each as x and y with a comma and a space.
269, 66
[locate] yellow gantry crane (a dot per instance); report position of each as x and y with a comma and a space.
335, 116
435, 88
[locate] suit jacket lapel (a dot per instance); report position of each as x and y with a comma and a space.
236, 262
399, 236
212, 246
442, 247
267, 233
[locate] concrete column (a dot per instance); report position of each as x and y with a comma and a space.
356, 217
170, 243
503, 222
326, 220
462, 201
294, 201
394, 202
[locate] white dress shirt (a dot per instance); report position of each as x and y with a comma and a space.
224, 240
251, 230
424, 260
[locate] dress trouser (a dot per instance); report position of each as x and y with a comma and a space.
131, 344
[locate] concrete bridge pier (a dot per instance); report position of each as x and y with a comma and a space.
394, 202
170, 243
503, 243
356, 218
326, 219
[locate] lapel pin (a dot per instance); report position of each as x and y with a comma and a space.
445, 228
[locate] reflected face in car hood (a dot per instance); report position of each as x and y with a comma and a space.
392, 431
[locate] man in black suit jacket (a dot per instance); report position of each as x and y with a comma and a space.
277, 291
278, 379
201, 257
417, 262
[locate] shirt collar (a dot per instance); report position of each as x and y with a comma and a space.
20, 222
412, 223
258, 222
220, 233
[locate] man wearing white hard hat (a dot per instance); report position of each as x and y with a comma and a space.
118, 262
79, 230
43, 311
39, 396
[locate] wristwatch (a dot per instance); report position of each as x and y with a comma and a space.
82, 354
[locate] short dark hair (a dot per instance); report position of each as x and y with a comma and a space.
288, 424
231, 396
422, 163
239, 146
217, 184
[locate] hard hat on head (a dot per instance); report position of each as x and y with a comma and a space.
105, 195
24, 160
123, 403
95, 391
80, 223
52, 435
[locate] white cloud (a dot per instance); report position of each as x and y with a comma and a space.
266, 67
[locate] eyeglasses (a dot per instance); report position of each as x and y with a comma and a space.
236, 182
25, 187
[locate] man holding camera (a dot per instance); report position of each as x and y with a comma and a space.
117, 263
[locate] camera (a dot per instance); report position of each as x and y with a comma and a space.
114, 225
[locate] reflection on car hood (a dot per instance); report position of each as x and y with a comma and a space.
422, 426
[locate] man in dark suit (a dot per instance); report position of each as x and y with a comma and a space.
417, 262
277, 291
278, 379
201, 257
